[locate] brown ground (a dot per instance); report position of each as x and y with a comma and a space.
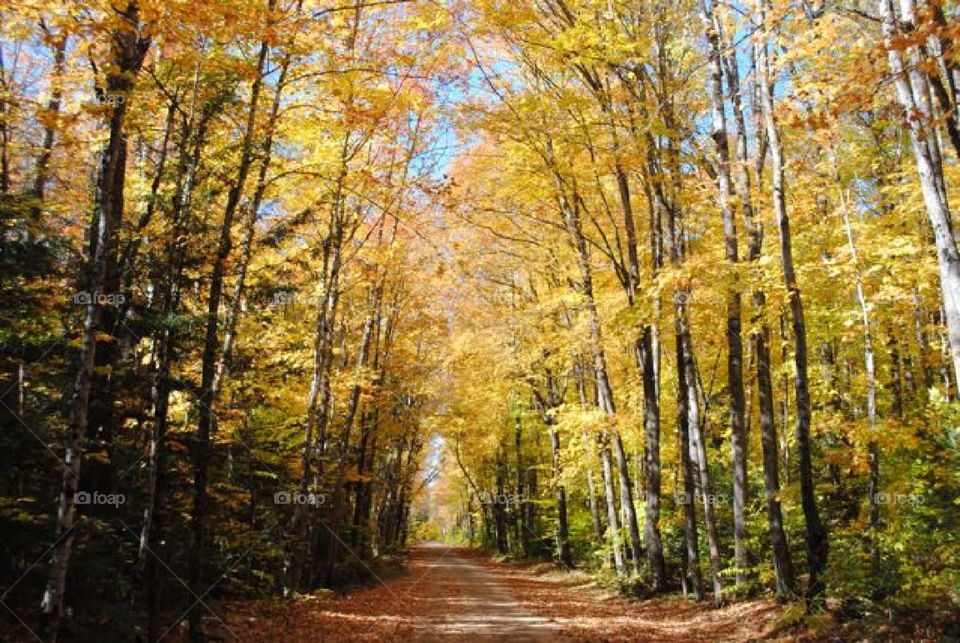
453, 595
586, 612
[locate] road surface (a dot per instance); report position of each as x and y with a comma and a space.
463, 601
454, 595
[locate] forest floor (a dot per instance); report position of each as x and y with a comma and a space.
454, 594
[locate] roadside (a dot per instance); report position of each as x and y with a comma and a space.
444, 596
454, 594
584, 611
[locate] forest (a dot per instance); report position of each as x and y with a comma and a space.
411, 319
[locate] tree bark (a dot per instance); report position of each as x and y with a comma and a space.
760, 341
51, 119
686, 399
129, 49
815, 533
348, 422
870, 370
571, 217
917, 117
738, 437
563, 528
598, 527
250, 223
205, 402
170, 300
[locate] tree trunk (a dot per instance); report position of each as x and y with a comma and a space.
609, 496
570, 211
647, 355
782, 562
250, 224
738, 437
686, 397
206, 401
908, 90
319, 397
128, 52
760, 342
598, 527
351, 412
871, 373
53, 115
170, 301
698, 449
815, 533
563, 529
633, 269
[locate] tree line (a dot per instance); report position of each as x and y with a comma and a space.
717, 282
214, 360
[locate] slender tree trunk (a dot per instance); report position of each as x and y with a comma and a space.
314, 435
738, 437
760, 341
546, 404
206, 401
598, 529
782, 562
651, 458
570, 211
815, 533
348, 422
499, 511
563, 529
871, 373
52, 118
685, 397
609, 496
908, 88
369, 422
633, 268
942, 79
128, 53
147, 555
4, 130
250, 224
698, 450
519, 514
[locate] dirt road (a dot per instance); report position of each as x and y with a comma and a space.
469, 601
454, 595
